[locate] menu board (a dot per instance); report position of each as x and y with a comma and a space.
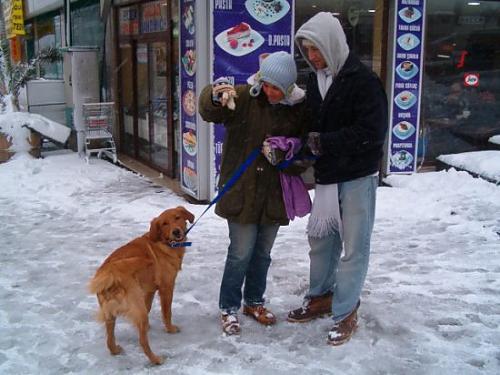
243, 31
406, 87
189, 167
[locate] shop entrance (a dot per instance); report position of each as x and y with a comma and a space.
144, 80
365, 24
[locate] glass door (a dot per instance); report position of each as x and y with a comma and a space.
143, 102
153, 107
144, 75
125, 73
159, 106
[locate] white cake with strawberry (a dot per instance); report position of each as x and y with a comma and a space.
240, 31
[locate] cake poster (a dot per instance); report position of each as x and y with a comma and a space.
406, 87
243, 31
187, 66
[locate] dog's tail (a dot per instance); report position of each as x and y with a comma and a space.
103, 281
108, 286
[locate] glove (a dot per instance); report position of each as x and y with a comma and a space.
304, 163
314, 143
223, 93
269, 153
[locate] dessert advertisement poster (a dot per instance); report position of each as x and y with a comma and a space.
406, 87
189, 172
242, 31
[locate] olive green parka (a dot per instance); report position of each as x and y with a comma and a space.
256, 198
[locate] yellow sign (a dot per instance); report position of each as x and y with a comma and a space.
13, 15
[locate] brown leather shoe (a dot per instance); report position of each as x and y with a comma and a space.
230, 323
260, 314
342, 331
312, 308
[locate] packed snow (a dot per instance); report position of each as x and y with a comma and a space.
431, 303
16, 126
482, 163
495, 139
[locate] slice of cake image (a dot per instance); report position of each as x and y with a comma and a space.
239, 32
239, 40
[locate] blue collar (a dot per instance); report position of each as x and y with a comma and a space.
175, 244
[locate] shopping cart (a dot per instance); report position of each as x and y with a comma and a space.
98, 118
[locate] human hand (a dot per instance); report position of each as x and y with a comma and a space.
304, 163
269, 153
223, 92
314, 143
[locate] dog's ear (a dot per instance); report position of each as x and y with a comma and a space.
154, 233
187, 215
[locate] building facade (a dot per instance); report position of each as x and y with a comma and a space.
439, 60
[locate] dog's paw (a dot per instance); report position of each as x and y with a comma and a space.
172, 329
116, 350
157, 360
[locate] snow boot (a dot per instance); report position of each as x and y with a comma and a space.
230, 323
312, 308
260, 314
342, 331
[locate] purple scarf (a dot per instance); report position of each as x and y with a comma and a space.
295, 195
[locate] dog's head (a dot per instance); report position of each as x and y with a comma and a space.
170, 225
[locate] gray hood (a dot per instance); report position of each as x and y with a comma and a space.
326, 33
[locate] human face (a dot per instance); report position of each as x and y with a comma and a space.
273, 93
315, 57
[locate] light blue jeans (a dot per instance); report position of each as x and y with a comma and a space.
345, 275
248, 259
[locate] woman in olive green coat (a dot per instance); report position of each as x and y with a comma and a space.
253, 207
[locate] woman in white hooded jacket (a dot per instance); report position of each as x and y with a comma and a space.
347, 136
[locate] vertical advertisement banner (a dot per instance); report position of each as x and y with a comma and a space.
243, 31
13, 17
189, 167
406, 86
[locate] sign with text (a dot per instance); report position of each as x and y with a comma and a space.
13, 16
406, 86
243, 31
188, 99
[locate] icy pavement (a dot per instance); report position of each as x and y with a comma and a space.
431, 303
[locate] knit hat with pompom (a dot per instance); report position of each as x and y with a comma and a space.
278, 69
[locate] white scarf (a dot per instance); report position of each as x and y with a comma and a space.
324, 77
325, 216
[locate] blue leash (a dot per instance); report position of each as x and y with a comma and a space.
229, 184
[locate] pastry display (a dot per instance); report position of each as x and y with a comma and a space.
188, 18
267, 11
239, 40
189, 102
408, 41
405, 99
189, 142
407, 70
403, 130
189, 61
410, 14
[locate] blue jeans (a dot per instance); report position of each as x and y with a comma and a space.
345, 275
248, 260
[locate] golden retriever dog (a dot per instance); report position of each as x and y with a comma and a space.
128, 279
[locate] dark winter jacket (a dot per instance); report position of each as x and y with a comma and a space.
256, 198
352, 120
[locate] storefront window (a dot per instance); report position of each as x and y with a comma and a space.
129, 20
154, 17
29, 41
48, 34
362, 23
86, 24
461, 88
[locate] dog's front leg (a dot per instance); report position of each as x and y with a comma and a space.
166, 293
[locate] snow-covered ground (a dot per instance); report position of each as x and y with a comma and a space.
431, 303
483, 163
